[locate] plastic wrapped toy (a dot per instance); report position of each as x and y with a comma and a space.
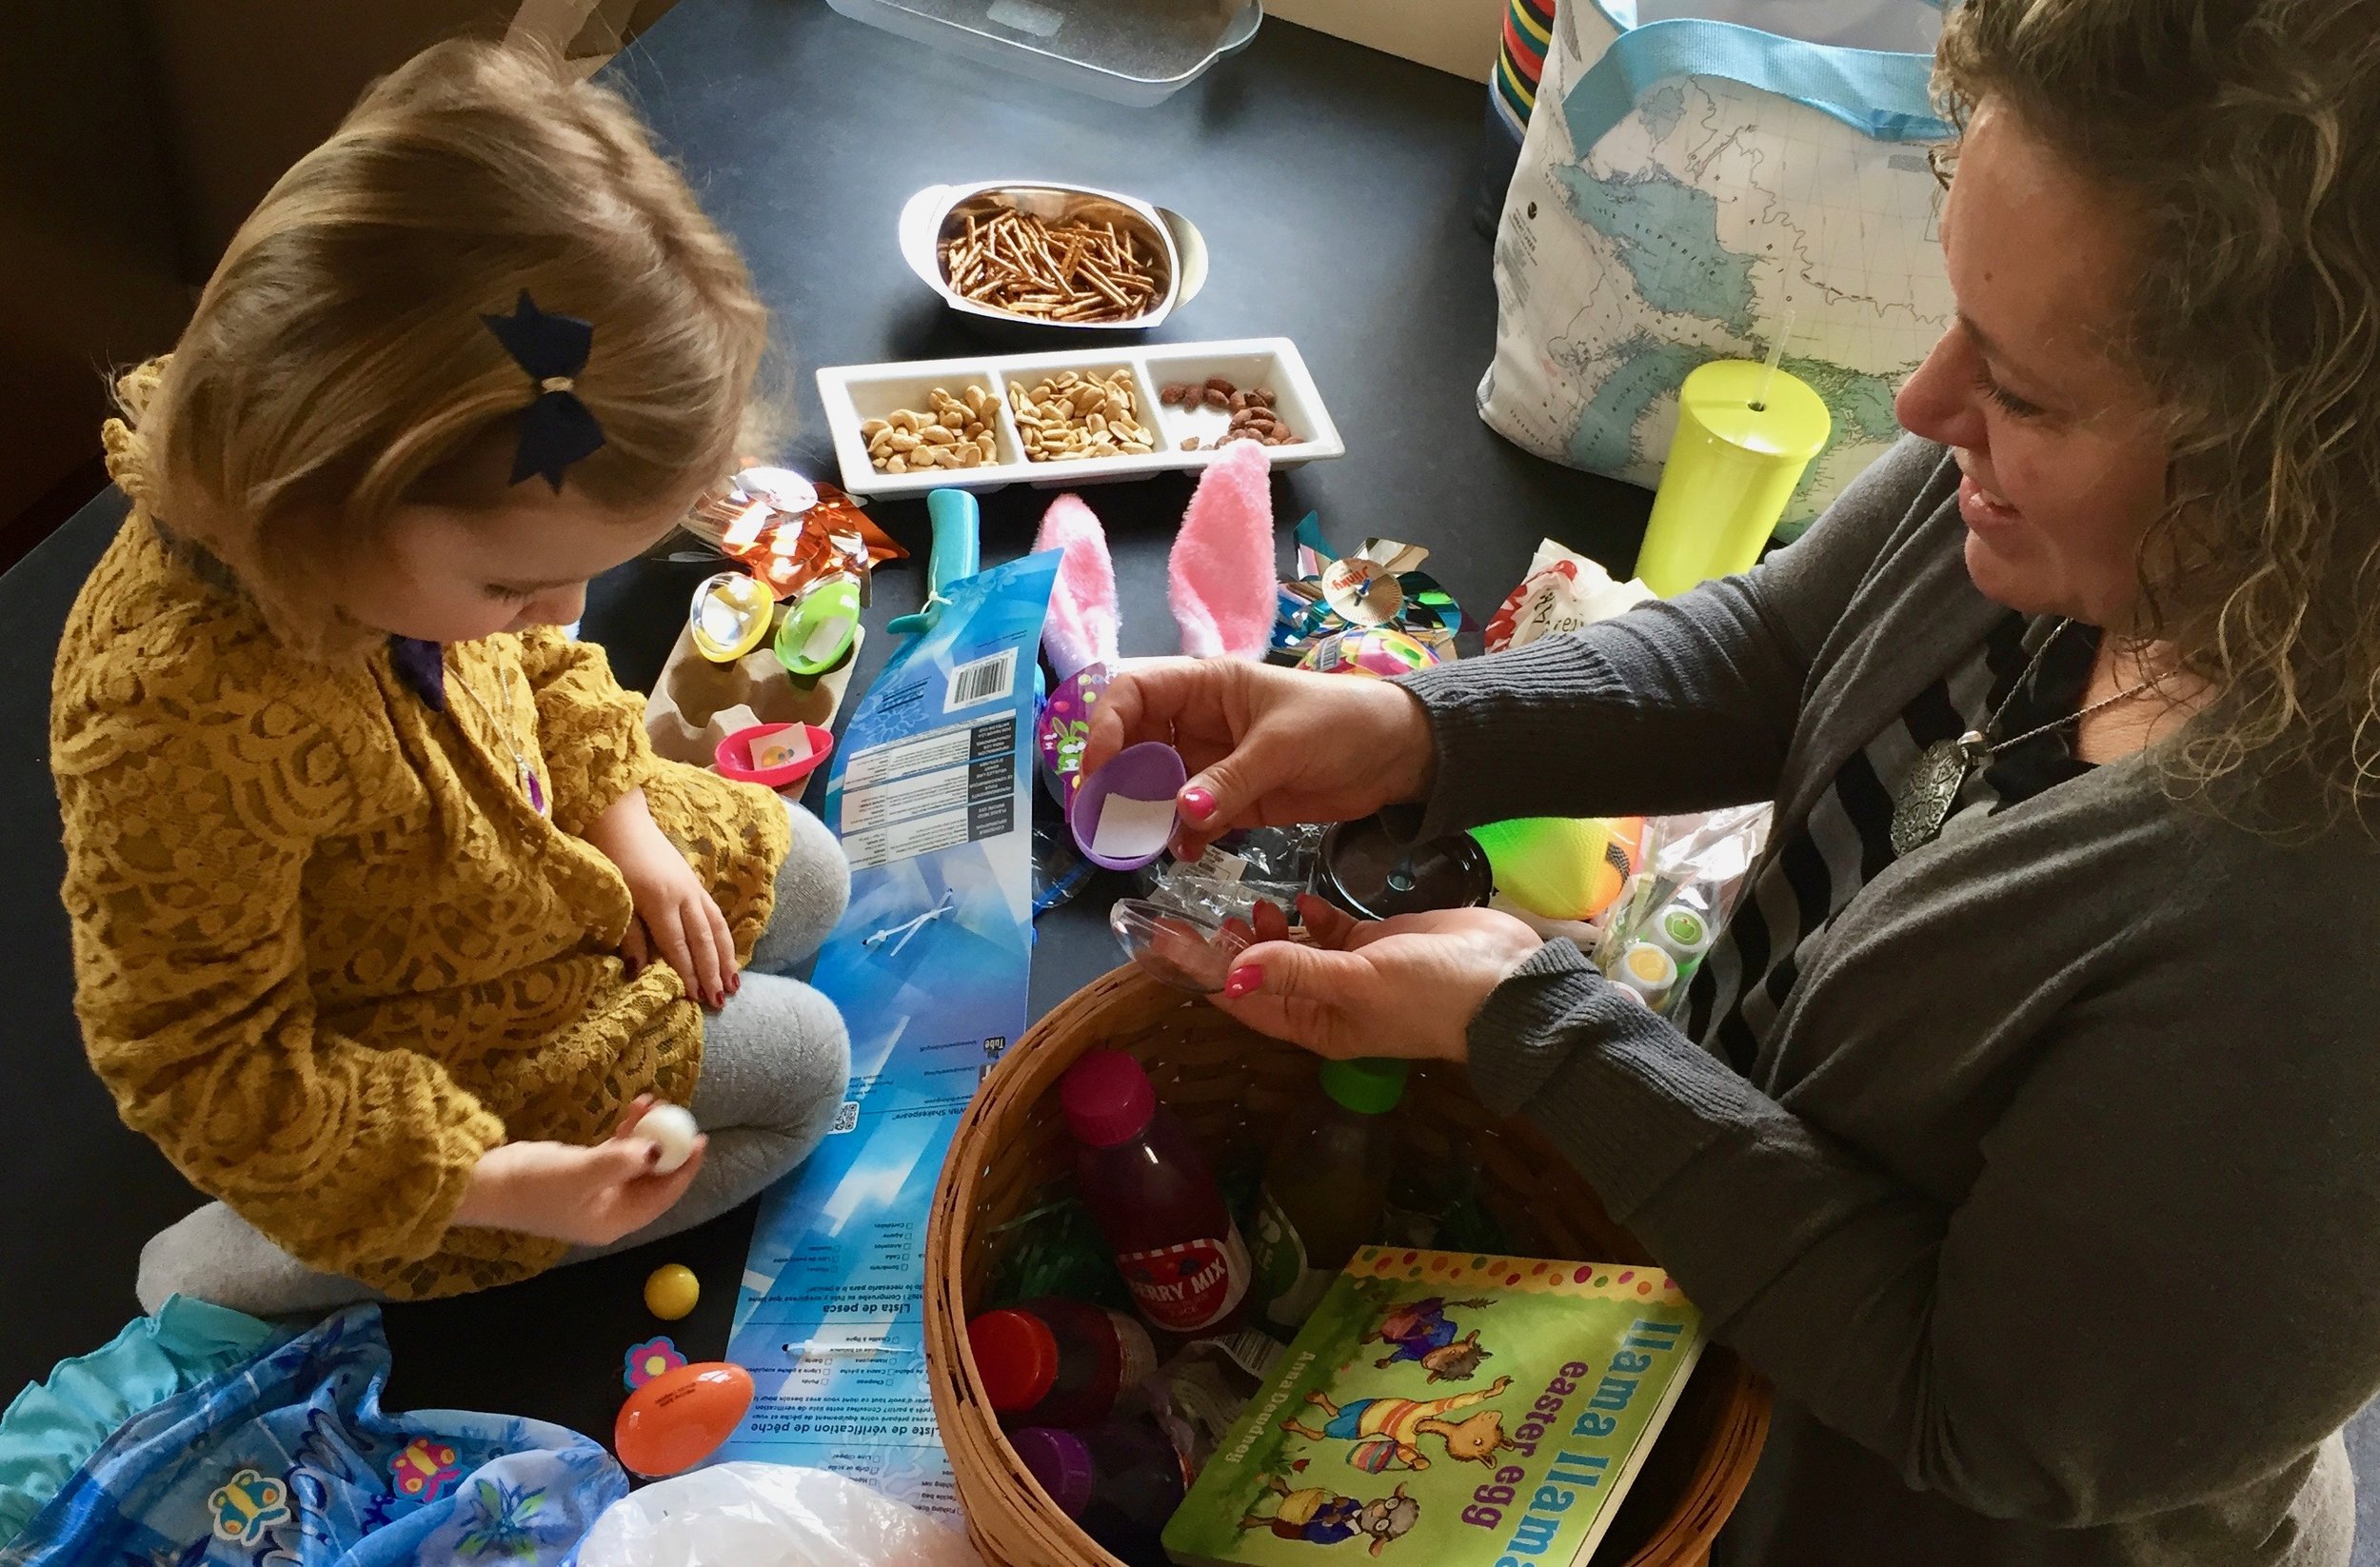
1674, 908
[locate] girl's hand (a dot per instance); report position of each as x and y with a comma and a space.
1267, 747
591, 1197
1407, 986
676, 915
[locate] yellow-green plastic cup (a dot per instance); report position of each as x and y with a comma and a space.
1732, 466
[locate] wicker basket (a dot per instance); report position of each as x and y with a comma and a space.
1231, 1083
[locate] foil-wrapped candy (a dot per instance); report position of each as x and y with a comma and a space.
790, 532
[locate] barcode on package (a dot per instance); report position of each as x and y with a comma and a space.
847, 1118
985, 680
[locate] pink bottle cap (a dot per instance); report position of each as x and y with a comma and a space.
1108, 1099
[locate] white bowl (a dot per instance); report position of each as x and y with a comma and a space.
940, 210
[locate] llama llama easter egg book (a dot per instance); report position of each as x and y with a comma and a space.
1448, 1410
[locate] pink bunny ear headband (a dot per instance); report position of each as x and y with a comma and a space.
1219, 574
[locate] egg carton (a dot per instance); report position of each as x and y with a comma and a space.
856, 395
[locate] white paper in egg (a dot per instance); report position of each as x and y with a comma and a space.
1130, 829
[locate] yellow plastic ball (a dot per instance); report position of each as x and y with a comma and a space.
671, 1292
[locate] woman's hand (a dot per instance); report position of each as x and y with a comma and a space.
591, 1197
1406, 986
1267, 747
676, 915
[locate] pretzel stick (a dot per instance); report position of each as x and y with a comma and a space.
1076, 271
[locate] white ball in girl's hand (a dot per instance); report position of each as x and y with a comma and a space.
672, 1126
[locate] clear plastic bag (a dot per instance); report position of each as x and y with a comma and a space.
1262, 865
1196, 1397
1671, 914
767, 1514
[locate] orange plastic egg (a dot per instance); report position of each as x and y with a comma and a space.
680, 1418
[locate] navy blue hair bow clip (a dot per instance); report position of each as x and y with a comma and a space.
556, 429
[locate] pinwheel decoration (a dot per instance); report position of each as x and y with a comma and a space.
1377, 588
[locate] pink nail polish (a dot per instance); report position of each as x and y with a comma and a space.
1199, 801
1240, 981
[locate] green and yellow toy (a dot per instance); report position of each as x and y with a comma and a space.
1561, 867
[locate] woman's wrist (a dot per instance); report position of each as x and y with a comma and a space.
1414, 747
1547, 1006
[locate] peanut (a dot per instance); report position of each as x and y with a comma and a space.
951, 432
1072, 416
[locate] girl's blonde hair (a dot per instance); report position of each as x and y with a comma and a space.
337, 366
2242, 137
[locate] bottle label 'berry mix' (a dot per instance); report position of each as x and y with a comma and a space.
1190, 1286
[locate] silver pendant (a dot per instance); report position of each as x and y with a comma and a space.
1931, 791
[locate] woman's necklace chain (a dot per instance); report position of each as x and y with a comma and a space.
1927, 797
503, 724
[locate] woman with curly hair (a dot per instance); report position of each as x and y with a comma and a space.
2021, 1129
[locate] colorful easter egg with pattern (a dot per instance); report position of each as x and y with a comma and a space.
1377, 652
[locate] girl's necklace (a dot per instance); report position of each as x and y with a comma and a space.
1925, 797
531, 785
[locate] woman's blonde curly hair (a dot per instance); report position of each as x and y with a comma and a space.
2242, 138
337, 366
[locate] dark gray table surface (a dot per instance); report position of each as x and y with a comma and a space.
1333, 185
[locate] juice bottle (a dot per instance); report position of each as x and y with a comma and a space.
1157, 1202
1120, 1481
1324, 1187
1059, 1362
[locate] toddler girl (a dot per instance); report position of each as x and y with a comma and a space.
388, 922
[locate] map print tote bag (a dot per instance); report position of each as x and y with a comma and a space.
1692, 189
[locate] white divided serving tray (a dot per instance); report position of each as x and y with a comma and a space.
856, 393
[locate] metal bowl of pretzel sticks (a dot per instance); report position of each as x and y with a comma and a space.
1061, 256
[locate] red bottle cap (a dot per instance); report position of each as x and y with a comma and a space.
1108, 1099
1018, 1357
1062, 1461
